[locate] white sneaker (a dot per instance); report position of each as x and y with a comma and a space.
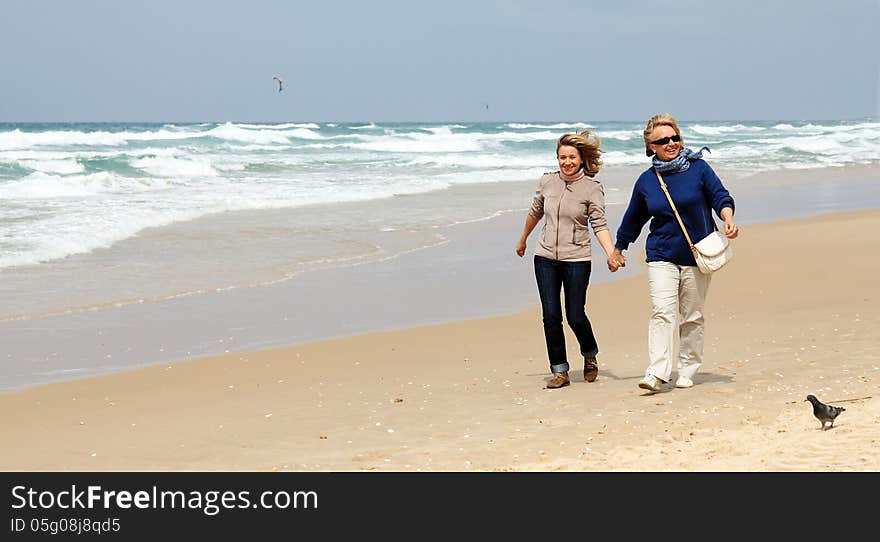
684, 382
650, 382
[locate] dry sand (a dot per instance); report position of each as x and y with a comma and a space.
796, 312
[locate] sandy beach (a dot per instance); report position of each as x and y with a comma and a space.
795, 313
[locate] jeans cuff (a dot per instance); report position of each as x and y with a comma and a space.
591, 354
559, 367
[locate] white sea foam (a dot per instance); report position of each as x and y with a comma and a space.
803, 129
623, 135
419, 143
59, 166
439, 130
16, 139
85, 187
176, 167
557, 126
444, 140
80, 232
521, 137
43, 186
717, 130
83, 154
283, 126
231, 132
303, 133
234, 132
482, 160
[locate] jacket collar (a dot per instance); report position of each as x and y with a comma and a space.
570, 179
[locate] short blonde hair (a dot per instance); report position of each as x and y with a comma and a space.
587, 143
663, 119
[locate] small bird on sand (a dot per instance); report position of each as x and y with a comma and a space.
824, 413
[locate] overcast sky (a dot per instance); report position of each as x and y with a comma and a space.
443, 60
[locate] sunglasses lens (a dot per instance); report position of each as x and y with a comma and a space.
664, 140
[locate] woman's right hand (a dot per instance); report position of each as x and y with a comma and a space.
521, 248
618, 257
612, 264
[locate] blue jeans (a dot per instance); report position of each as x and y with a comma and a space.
573, 278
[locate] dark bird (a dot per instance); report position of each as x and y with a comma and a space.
824, 413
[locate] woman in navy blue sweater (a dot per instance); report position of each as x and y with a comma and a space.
677, 286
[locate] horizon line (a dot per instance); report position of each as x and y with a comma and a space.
458, 121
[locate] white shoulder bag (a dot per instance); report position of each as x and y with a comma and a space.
710, 252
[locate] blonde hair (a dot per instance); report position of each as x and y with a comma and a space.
663, 119
587, 143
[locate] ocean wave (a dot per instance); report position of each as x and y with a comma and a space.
811, 128
622, 135
231, 132
418, 143
370, 126
721, 129
557, 126
446, 141
85, 154
16, 139
46, 186
61, 166
282, 126
481, 161
438, 130
172, 168
75, 182
72, 233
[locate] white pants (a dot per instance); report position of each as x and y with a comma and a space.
675, 289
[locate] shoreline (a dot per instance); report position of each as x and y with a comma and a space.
467, 394
464, 283
273, 246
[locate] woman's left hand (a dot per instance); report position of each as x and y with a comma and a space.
731, 230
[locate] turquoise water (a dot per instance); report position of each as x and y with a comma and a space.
68, 189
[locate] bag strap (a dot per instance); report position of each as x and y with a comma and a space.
674, 210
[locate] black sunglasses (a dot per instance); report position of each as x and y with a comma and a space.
665, 140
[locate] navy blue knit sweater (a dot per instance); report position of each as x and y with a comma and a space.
695, 191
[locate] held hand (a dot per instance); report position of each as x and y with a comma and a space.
612, 264
616, 260
731, 230
521, 248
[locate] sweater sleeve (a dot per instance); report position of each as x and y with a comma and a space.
596, 208
717, 196
634, 218
537, 208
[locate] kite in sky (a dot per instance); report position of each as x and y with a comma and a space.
280, 83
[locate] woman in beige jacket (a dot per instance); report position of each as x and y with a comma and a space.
568, 200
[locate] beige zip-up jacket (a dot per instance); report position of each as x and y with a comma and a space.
567, 205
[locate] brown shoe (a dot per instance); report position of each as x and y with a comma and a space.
559, 380
591, 369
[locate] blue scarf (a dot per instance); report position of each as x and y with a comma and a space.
680, 163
